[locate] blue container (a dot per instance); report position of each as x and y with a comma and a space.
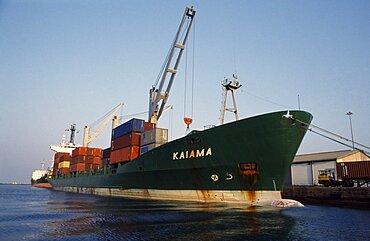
133, 125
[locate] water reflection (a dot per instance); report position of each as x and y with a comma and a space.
126, 219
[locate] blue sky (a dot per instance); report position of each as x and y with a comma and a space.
72, 61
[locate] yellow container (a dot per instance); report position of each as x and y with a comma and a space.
64, 164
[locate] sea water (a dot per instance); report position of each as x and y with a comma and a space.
28, 213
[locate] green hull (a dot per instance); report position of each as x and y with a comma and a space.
252, 154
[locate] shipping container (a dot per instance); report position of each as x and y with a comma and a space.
146, 148
64, 164
59, 154
148, 126
106, 153
124, 154
157, 135
105, 161
79, 151
133, 125
80, 159
93, 160
63, 170
64, 158
55, 166
93, 152
77, 167
130, 139
354, 170
92, 166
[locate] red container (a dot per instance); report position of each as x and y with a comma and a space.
63, 170
131, 139
356, 170
67, 158
77, 167
79, 151
79, 159
93, 152
124, 154
59, 154
148, 126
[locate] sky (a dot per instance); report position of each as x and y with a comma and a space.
64, 62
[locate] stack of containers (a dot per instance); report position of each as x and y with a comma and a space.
105, 156
61, 163
153, 138
126, 141
93, 160
85, 158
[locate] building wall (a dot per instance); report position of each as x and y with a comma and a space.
301, 174
355, 157
307, 173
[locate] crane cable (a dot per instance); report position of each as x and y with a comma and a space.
331, 133
189, 120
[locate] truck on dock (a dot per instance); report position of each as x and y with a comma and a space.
327, 178
348, 174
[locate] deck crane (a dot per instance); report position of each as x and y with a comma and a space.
158, 97
87, 138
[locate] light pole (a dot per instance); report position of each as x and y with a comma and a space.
349, 113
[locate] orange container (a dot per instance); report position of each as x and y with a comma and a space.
148, 126
124, 154
79, 159
64, 170
96, 161
77, 167
88, 159
92, 166
79, 151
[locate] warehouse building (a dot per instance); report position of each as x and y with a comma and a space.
305, 168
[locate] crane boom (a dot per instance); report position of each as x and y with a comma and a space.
158, 98
89, 138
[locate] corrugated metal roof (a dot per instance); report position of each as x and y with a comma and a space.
323, 156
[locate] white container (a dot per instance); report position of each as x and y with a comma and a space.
156, 135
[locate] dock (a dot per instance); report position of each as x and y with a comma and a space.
336, 196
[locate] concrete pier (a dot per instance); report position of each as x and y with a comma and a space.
343, 196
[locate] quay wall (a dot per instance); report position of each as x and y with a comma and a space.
329, 195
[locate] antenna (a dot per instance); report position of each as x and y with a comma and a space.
229, 85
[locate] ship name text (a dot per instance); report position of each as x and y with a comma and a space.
192, 154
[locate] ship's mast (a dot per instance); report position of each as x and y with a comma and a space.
72, 137
229, 85
158, 97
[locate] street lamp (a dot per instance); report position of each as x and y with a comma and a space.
349, 113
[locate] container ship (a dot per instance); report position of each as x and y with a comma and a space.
244, 161
39, 177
